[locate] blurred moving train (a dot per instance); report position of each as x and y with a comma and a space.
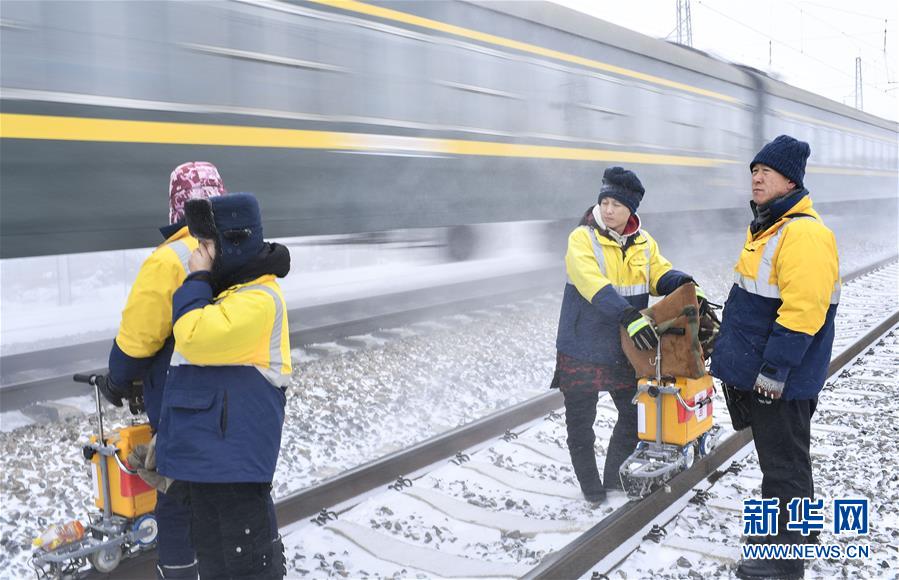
345, 117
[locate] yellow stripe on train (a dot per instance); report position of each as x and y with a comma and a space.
15, 126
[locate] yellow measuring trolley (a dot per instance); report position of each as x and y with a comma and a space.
674, 404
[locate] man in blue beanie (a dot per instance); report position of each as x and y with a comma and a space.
776, 336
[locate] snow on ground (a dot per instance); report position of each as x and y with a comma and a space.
343, 410
858, 460
464, 513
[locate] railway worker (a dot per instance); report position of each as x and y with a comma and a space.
777, 332
143, 346
223, 406
613, 266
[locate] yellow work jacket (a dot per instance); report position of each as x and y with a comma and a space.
779, 317
147, 317
224, 400
604, 280
143, 345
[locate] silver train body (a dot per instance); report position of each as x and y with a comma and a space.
349, 117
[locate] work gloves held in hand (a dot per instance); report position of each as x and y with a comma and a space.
143, 459
640, 329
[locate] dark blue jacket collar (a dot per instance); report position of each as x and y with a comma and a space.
170, 230
768, 213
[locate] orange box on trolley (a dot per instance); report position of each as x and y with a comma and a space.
129, 495
679, 426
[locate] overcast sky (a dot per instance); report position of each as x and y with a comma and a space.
813, 44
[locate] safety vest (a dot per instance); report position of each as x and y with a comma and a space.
222, 346
764, 281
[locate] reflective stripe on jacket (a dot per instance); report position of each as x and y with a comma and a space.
223, 407
143, 345
603, 281
779, 316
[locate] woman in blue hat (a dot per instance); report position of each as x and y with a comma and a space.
613, 265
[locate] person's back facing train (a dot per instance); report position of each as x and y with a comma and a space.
223, 407
143, 347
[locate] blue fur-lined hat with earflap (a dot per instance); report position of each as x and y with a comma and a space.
234, 222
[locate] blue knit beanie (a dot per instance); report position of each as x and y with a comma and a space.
622, 185
785, 155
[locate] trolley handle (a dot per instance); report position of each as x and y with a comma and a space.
122, 466
88, 379
692, 408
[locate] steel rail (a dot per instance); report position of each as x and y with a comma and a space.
367, 477
605, 537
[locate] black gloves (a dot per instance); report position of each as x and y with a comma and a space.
709, 323
640, 329
703, 301
114, 394
110, 390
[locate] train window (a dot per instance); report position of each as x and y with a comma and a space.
23, 58
67, 46
129, 50
828, 146
441, 98
392, 64
337, 46
681, 113
473, 89
645, 109
817, 144
715, 125
605, 106
195, 25
839, 148
575, 114
262, 56
516, 76
547, 100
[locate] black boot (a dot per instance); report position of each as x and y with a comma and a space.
583, 459
771, 569
187, 572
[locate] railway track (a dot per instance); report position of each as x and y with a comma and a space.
516, 497
856, 408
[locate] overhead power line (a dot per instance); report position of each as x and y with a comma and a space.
829, 25
872, 16
773, 40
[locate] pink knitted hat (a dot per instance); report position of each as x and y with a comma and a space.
192, 180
